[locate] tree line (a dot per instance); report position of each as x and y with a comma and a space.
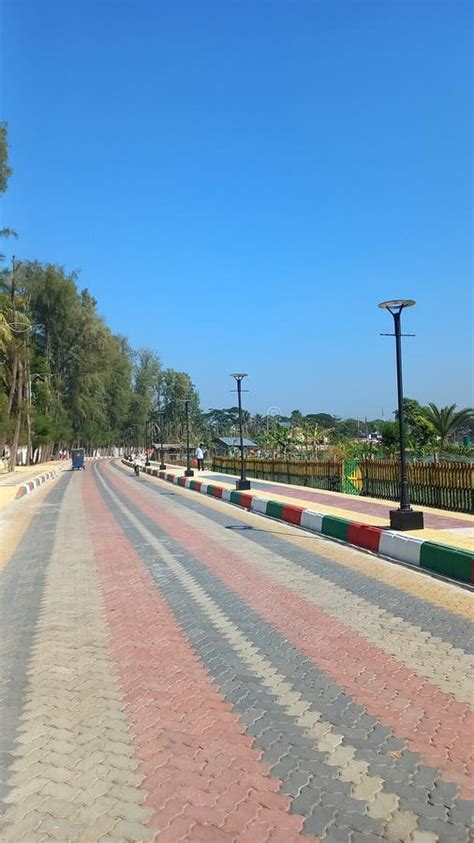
65, 378
429, 430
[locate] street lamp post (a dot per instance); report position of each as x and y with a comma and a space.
161, 416
242, 484
189, 472
403, 518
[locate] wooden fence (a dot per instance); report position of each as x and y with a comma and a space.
327, 474
445, 485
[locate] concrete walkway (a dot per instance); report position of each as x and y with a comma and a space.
11, 481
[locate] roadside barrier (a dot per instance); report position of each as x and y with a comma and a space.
30, 485
439, 558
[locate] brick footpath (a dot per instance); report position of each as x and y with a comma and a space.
174, 669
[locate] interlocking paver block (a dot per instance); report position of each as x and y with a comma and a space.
184, 681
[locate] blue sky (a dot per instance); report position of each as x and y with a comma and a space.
240, 183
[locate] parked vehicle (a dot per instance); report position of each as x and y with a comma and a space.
78, 458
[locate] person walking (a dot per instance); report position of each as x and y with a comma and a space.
200, 457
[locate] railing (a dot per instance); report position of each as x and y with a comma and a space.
444, 485
325, 474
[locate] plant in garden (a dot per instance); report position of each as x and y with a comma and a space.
446, 420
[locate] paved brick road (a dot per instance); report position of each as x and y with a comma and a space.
172, 668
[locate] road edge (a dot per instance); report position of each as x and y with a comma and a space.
437, 558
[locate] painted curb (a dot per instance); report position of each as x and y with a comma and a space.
31, 485
421, 553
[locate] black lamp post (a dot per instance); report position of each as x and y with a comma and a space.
403, 518
189, 472
161, 416
243, 483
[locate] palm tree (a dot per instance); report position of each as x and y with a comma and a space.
445, 420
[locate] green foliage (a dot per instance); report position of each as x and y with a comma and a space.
5, 170
446, 420
175, 388
80, 373
390, 435
421, 433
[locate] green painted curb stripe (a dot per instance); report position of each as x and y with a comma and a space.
447, 560
275, 510
236, 497
337, 528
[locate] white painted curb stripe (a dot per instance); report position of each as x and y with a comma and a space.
259, 505
312, 521
405, 549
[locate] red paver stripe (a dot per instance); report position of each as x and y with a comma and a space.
416, 709
186, 734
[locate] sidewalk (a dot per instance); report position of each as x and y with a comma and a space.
455, 529
11, 481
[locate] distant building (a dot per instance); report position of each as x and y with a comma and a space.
374, 438
225, 445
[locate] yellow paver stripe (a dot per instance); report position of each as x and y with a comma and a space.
12, 529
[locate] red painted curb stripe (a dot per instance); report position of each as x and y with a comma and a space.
292, 514
198, 764
245, 500
364, 536
416, 709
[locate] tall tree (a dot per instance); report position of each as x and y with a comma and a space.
5, 170
175, 387
147, 378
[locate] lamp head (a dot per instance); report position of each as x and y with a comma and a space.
396, 305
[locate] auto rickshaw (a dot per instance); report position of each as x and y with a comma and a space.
78, 458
